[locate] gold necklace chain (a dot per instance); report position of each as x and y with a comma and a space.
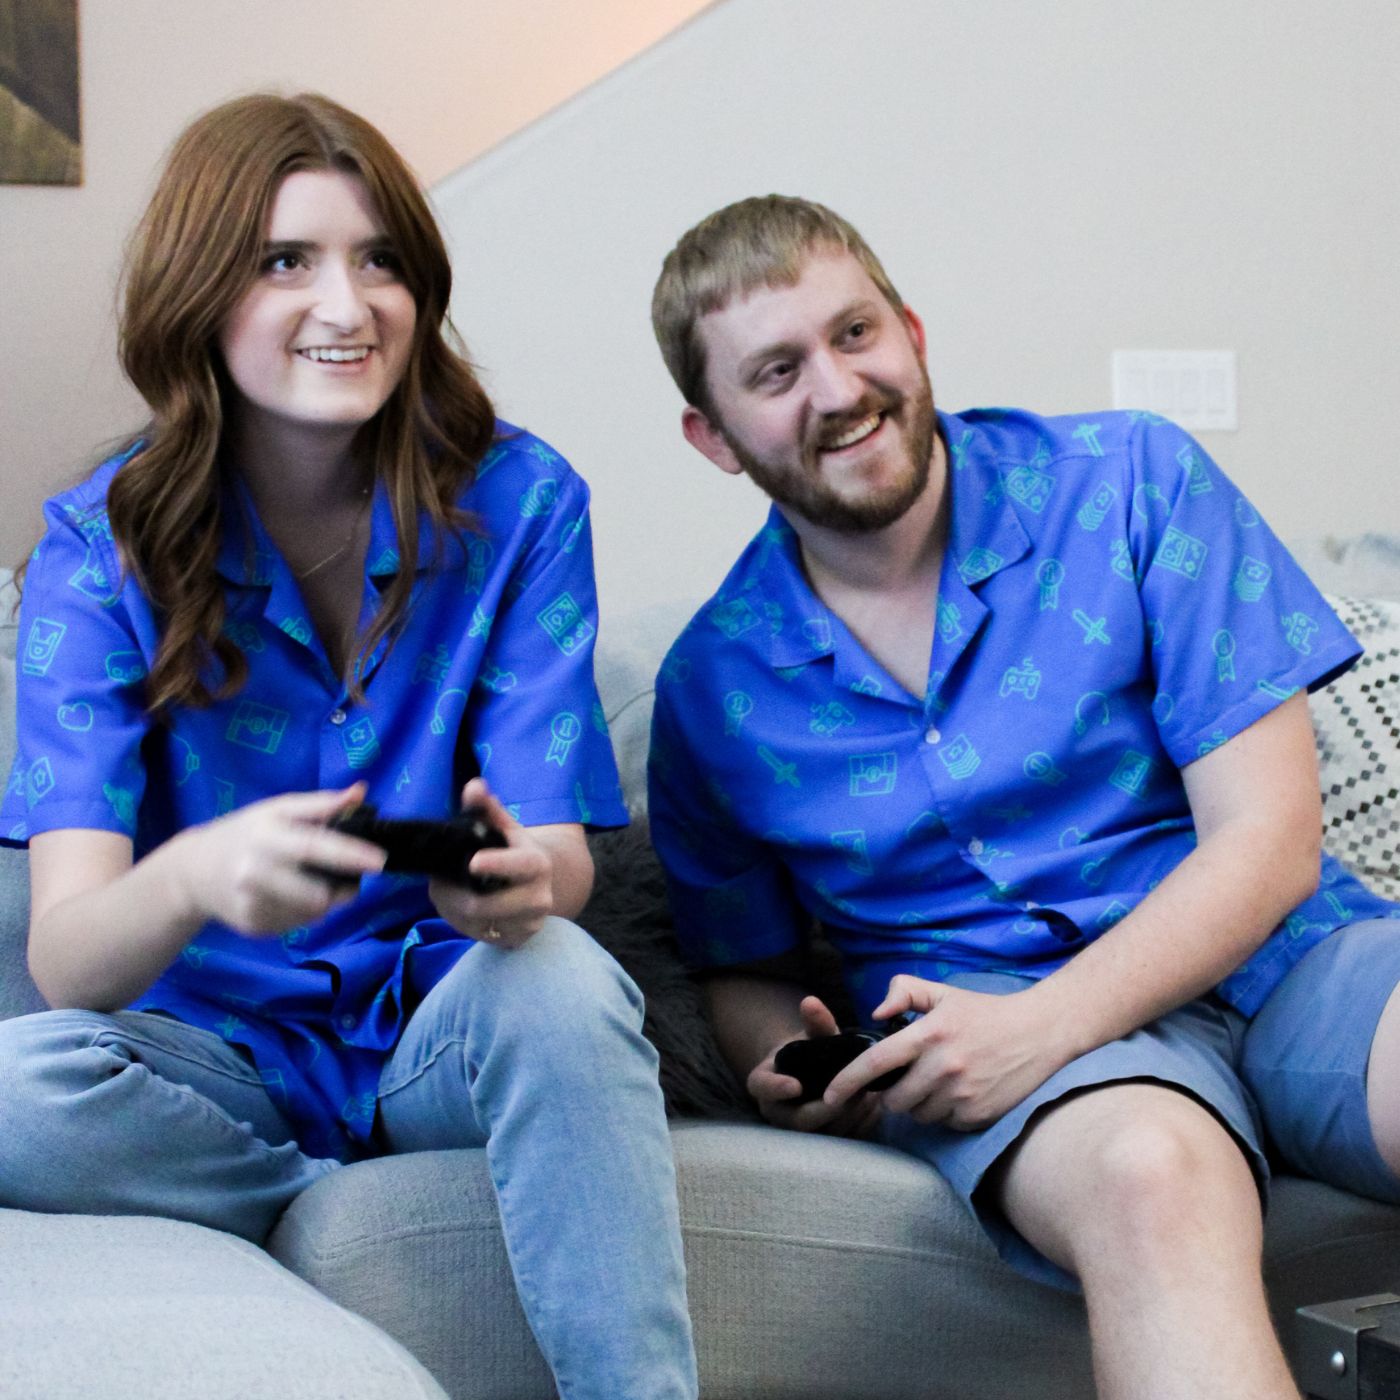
342, 546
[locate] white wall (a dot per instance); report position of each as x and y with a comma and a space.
1046, 182
444, 79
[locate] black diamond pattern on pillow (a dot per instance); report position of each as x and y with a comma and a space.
1357, 722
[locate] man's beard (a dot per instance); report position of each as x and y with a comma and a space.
804, 492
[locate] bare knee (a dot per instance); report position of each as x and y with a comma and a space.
1146, 1174
1136, 1172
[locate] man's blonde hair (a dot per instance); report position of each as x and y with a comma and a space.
758, 242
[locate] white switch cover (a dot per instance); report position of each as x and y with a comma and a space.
1195, 388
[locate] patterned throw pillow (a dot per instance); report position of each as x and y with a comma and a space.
1357, 721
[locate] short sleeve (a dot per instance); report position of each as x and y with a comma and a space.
731, 898
80, 712
535, 718
1235, 625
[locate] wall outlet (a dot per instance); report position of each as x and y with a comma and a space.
1194, 388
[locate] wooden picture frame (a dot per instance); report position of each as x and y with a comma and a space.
40, 131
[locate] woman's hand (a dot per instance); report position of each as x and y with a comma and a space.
256, 869
777, 1094
510, 916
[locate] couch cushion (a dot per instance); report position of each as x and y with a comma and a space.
414, 1244
629, 654
817, 1267
9, 613
1357, 721
130, 1308
18, 994
1357, 566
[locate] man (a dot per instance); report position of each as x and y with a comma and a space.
1014, 706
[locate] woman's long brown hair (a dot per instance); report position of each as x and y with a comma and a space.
195, 252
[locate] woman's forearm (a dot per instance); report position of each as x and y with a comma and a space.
102, 929
102, 946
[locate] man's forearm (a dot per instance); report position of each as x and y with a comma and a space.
752, 1015
1254, 801
1187, 935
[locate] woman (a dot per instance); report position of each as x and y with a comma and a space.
325, 573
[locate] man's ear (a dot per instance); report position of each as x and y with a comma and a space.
916, 332
707, 439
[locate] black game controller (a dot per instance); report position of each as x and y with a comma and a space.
442, 849
815, 1063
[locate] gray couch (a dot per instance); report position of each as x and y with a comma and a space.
818, 1268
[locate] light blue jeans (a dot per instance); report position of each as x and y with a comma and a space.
535, 1054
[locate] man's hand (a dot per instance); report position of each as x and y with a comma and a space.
971, 1056
510, 916
777, 1094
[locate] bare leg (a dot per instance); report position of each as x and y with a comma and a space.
1141, 1193
1383, 1083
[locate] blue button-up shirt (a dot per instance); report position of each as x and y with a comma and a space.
1110, 609
498, 646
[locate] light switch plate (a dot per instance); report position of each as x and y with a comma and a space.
1194, 388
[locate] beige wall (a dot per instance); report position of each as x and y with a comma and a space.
1046, 180
445, 79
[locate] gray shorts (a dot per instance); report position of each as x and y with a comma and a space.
1289, 1084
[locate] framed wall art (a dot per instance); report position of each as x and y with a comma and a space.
40, 138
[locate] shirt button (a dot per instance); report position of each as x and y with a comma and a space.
337, 716
975, 846
931, 735
347, 1022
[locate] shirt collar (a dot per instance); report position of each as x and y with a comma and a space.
247, 556
985, 536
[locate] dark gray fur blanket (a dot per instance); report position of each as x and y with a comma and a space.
628, 915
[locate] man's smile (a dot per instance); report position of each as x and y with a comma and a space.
858, 432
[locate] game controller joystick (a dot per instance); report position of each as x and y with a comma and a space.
816, 1062
442, 849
